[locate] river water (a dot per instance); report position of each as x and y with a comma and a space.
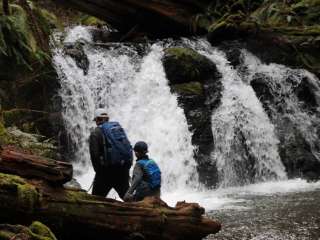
290, 213
135, 91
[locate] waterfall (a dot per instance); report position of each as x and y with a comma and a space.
135, 92
283, 83
246, 147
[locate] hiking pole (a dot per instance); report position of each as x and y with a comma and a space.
90, 186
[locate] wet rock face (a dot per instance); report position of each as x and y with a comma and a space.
196, 81
299, 152
76, 51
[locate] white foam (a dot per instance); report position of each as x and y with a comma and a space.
233, 197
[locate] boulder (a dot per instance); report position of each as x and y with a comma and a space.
196, 81
183, 65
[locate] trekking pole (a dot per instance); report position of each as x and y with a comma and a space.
90, 187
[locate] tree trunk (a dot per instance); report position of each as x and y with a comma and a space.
5, 6
73, 214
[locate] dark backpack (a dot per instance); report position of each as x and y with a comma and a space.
153, 171
121, 149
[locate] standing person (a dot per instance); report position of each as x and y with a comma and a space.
146, 179
111, 156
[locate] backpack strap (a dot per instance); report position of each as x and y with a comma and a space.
105, 148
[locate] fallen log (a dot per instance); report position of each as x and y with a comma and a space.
169, 16
74, 214
32, 166
18, 232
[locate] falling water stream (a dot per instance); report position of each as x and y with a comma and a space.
134, 89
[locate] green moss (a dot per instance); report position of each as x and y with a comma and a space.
27, 194
37, 231
6, 235
183, 65
12, 117
4, 136
91, 21
41, 231
179, 53
75, 196
192, 88
18, 42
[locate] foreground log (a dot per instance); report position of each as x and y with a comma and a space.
36, 231
73, 214
32, 166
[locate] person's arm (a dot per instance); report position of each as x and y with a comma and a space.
94, 146
136, 178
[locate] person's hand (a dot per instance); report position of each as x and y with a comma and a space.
128, 197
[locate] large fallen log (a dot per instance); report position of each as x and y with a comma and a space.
152, 16
74, 214
32, 166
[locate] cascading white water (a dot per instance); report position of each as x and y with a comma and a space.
246, 147
135, 92
282, 81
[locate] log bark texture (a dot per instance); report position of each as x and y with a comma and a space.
74, 214
32, 166
152, 16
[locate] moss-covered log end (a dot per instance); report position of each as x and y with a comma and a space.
27, 196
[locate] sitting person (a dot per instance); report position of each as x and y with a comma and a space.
146, 179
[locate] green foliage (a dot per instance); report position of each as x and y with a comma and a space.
17, 41
91, 21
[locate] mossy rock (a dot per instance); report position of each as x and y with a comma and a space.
91, 21
19, 45
42, 231
184, 65
34, 143
192, 88
36, 231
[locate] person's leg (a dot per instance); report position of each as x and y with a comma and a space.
101, 187
122, 184
142, 191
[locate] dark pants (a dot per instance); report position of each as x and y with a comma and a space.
117, 178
